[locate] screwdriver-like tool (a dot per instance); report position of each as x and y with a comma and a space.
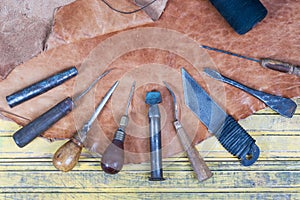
113, 157
39, 125
67, 156
198, 164
264, 62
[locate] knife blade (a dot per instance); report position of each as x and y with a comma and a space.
230, 134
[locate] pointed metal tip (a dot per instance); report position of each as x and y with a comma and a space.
212, 73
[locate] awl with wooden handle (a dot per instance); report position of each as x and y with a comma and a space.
198, 164
39, 125
67, 156
264, 62
113, 157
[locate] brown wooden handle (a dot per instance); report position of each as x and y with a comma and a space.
67, 156
198, 164
280, 66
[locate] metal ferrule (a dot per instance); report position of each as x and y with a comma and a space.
177, 125
120, 135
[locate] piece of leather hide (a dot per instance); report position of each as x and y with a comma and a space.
147, 55
92, 18
24, 27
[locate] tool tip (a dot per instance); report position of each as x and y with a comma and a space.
153, 97
212, 73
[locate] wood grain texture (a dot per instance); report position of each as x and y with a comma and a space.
28, 173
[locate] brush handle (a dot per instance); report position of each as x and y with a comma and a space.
198, 164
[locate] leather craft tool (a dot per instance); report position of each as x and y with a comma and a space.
113, 157
67, 156
40, 87
39, 125
242, 15
198, 164
153, 98
229, 133
284, 106
264, 62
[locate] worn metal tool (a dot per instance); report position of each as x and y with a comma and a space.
153, 98
229, 133
40, 87
67, 156
284, 106
39, 125
264, 62
198, 164
113, 157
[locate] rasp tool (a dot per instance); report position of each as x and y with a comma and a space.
42, 123
264, 62
229, 133
198, 164
67, 156
284, 106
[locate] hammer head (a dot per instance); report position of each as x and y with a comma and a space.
153, 97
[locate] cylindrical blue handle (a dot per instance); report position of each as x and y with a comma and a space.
242, 15
155, 144
238, 142
40, 87
35, 128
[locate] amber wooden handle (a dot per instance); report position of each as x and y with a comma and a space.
67, 156
198, 164
280, 66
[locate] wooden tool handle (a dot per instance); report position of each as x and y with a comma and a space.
280, 66
35, 128
67, 156
198, 164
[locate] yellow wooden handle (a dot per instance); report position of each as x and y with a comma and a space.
67, 156
198, 164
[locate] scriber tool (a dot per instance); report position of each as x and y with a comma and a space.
264, 62
67, 156
113, 157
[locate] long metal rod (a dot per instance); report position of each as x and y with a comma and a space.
102, 103
91, 85
229, 53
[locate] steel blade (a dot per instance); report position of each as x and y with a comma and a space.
201, 104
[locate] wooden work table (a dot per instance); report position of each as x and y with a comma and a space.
28, 173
